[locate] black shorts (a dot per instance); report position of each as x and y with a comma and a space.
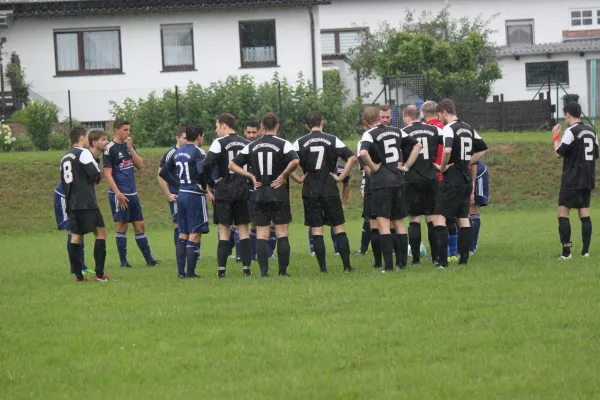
574, 198
320, 211
232, 212
388, 203
366, 214
421, 197
85, 221
453, 201
277, 212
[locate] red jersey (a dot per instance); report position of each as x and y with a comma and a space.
438, 158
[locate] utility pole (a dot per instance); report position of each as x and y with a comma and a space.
2, 41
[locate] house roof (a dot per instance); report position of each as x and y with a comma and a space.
45, 8
571, 46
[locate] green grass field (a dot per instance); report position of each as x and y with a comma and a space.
515, 323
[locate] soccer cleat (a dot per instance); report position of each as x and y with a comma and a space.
103, 278
125, 265
349, 270
416, 264
221, 275
193, 276
585, 255
312, 253
323, 270
359, 252
153, 263
452, 259
439, 266
87, 271
273, 257
84, 279
181, 276
284, 274
247, 272
563, 257
336, 254
400, 267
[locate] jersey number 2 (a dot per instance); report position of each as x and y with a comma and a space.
466, 145
391, 151
67, 172
589, 148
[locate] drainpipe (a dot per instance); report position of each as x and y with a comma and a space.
312, 43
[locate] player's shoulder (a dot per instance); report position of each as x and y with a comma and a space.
110, 147
200, 151
169, 153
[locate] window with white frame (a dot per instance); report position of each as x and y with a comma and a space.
87, 52
519, 31
177, 47
258, 43
339, 41
585, 18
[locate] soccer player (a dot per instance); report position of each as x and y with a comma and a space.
62, 223
120, 158
462, 147
479, 198
231, 193
79, 173
381, 147
192, 213
422, 179
579, 150
385, 114
170, 191
273, 160
319, 153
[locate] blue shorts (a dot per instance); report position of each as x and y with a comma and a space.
133, 212
60, 212
173, 208
482, 187
192, 214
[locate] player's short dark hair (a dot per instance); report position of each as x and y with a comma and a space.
314, 119
251, 124
411, 112
371, 115
385, 107
76, 133
446, 105
180, 131
119, 123
270, 121
573, 109
228, 120
95, 135
193, 131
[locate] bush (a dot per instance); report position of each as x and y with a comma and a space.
6, 138
19, 117
23, 143
58, 141
154, 119
41, 116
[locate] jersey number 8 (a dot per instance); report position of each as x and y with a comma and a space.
67, 172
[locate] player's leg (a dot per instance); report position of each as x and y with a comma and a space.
465, 233
241, 217
365, 238
566, 201
475, 219
197, 219
343, 246
414, 207
139, 226
184, 231
173, 209
311, 243
398, 214
336, 251
375, 243
313, 218
444, 210
120, 217
586, 230
333, 212
318, 243
75, 249
282, 216
224, 219
433, 247
231, 241
253, 240
100, 251
414, 238
272, 242
381, 208
452, 226
262, 220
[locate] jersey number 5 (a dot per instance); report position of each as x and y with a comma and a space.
391, 151
67, 172
466, 145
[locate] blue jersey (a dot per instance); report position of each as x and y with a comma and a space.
60, 207
173, 171
117, 157
188, 161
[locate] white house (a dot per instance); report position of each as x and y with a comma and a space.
552, 38
109, 50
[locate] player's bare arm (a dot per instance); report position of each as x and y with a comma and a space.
280, 181
445, 158
366, 158
138, 162
556, 132
349, 164
121, 199
297, 178
164, 187
345, 194
414, 154
236, 169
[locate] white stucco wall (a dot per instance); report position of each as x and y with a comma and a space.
216, 47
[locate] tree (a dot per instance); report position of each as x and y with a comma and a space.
455, 56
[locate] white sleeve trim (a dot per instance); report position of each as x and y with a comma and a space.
246, 150
448, 133
287, 147
339, 144
476, 135
215, 147
86, 157
296, 146
367, 137
567, 137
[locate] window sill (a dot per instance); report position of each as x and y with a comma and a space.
253, 66
552, 85
86, 73
178, 70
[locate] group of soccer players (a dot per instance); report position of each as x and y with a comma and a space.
427, 169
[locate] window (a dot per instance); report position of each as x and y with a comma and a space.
258, 46
339, 41
177, 47
88, 52
582, 18
519, 31
540, 73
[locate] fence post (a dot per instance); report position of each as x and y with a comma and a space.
502, 122
177, 104
70, 115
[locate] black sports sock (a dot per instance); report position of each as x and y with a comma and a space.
396, 244
465, 241
262, 253
441, 234
245, 252
222, 254
586, 234
376, 246
319, 246
365, 238
564, 232
432, 242
283, 254
402, 254
414, 239
344, 249
100, 256
387, 250
75, 259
